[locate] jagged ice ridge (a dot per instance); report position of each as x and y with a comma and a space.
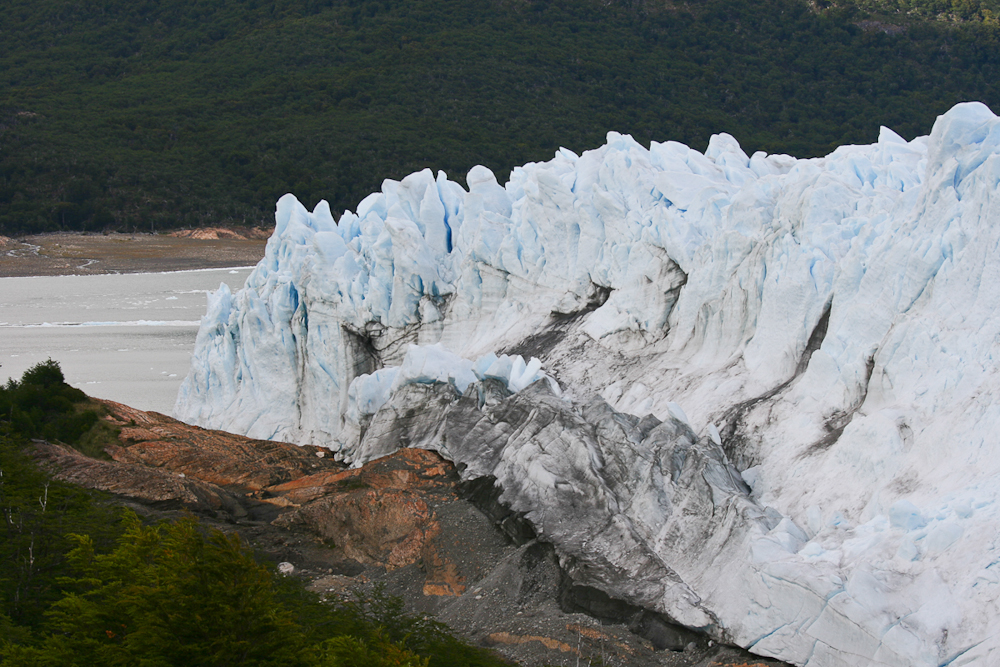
779, 378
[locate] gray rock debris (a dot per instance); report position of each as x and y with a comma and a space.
634, 507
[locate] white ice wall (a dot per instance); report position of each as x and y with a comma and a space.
719, 266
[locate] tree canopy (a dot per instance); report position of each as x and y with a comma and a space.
128, 114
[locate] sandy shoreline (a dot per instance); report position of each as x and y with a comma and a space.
62, 254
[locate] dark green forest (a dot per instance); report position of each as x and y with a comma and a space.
85, 582
142, 114
987, 11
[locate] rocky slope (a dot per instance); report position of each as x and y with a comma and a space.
404, 521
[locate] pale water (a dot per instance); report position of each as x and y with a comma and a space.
124, 337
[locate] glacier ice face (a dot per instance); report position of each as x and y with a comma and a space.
827, 327
429, 364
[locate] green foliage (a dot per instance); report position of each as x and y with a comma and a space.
11, 633
977, 11
43, 406
47, 375
166, 595
94, 441
348, 651
36, 513
125, 114
175, 594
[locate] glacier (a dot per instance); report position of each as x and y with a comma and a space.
760, 393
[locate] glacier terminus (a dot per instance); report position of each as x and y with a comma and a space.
758, 394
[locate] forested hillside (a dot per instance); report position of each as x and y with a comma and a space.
987, 11
125, 114
85, 581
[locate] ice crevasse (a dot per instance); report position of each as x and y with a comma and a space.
804, 353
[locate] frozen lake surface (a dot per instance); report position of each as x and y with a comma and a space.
124, 337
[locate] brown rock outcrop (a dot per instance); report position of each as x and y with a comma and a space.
224, 459
373, 526
380, 514
136, 481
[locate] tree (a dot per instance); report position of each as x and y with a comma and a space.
348, 651
166, 595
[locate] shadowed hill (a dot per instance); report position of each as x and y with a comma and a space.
145, 115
